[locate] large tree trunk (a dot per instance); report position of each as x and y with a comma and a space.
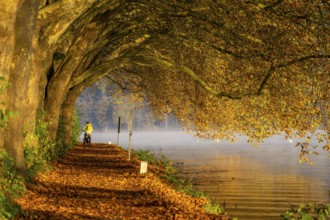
56, 91
20, 73
8, 10
33, 100
68, 108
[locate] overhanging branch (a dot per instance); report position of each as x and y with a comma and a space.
191, 73
148, 60
99, 70
117, 83
301, 59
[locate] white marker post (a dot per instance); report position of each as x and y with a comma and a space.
143, 167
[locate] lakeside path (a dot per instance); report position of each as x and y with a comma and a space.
99, 183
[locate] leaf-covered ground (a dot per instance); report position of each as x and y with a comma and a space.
99, 183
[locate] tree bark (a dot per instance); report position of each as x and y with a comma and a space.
20, 73
8, 10
68, 108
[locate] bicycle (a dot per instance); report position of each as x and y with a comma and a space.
87, 139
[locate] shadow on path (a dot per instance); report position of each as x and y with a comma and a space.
99, 183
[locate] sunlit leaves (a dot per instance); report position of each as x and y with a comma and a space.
99, 182
308, 211
197, 57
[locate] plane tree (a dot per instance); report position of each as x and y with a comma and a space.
252, 67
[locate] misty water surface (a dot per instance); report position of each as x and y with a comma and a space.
252, 183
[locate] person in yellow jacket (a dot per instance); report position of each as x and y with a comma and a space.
88, 128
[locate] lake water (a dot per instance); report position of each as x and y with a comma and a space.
252, 183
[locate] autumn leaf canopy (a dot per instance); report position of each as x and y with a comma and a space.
254, 67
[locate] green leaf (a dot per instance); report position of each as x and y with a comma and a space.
307, 217
11, 114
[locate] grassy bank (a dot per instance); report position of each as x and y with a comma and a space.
163, 167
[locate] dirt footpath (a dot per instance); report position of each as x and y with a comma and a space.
99, 183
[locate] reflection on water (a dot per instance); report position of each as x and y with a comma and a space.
252, 183
248, 190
